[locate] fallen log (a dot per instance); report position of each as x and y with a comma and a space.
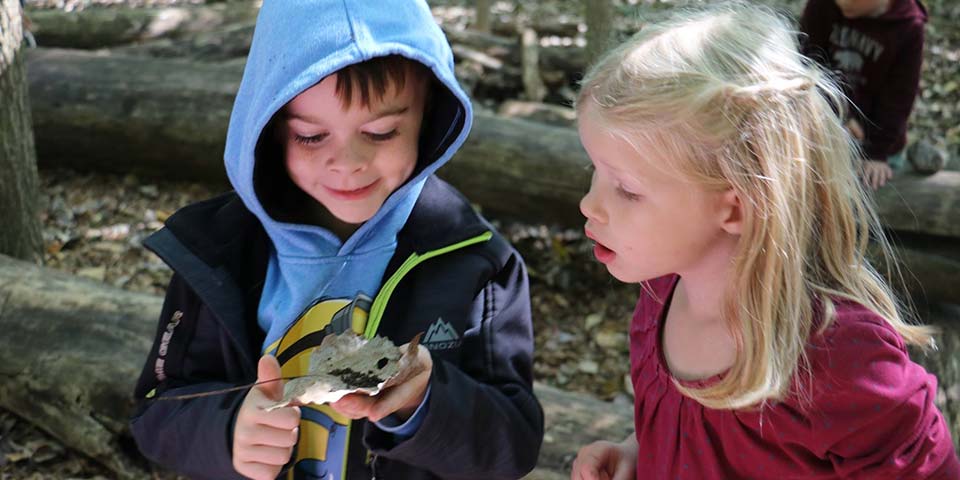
168, 118
72, 349
104, 27
558, 65
230, 42
219, 32
99, 27
927, 204
547, 113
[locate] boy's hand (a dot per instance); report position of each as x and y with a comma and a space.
401, 399
262, 440
876, 173
606, 461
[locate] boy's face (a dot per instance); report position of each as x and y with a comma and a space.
863, 8
350, 159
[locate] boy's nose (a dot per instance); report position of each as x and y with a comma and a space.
590, 207
348, 159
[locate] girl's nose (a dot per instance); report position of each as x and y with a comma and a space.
591, 208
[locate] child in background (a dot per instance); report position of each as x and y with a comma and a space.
763, 344
877, 46
338, 223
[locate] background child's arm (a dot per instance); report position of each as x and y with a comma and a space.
192, 436
483, 420
894, 100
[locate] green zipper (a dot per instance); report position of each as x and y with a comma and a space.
380, 303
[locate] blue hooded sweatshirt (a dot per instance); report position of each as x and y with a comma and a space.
297, 43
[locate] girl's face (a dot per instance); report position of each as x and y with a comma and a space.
646, 222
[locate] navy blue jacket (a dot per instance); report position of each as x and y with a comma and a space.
483, 419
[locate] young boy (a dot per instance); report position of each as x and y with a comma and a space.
337, 222
877, 45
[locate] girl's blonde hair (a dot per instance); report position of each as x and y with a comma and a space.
732, 104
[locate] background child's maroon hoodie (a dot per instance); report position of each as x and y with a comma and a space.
880, 60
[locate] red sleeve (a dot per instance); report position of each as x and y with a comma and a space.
885, 134
873, 413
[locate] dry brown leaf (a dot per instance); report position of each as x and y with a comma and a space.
347, 363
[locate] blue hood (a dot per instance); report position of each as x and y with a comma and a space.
296, 44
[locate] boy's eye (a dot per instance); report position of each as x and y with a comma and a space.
309, 140
626, 194
381, 137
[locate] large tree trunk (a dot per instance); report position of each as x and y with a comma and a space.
599, 19
168, 118
72, 349
19, 223
482, 23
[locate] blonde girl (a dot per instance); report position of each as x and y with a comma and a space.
764, 344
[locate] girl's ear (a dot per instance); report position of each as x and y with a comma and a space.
731, 212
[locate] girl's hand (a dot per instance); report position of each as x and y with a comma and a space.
401, 399
262, 440
607, 461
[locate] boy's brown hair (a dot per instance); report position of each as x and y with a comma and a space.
374, 77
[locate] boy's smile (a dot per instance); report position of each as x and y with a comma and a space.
347, 156
353, 194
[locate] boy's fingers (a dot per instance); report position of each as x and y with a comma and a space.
285, 418
269, 369
354, 405
267, 455
274, 437
258, 471
406, 394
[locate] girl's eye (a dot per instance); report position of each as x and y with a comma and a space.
382, 137
627, 195
309, 140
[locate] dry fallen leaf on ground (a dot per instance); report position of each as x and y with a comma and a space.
348, 363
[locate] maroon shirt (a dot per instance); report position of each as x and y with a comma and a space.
879, 59
869, 412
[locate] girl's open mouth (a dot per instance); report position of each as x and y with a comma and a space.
603, 254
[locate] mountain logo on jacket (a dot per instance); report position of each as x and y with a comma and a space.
441, 336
